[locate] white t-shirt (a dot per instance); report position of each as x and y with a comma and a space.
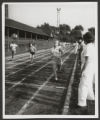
13, 46
90, 53
32, 49
56, 51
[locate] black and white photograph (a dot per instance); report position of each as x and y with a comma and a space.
50, 60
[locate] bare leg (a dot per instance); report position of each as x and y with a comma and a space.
55, 70
31, 57
61, 63
12, 55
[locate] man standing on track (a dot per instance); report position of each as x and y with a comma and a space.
13, 46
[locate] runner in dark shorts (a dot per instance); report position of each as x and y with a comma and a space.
32, 50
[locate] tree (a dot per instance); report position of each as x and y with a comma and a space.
46, 28
64, 32
75, 35
92, 30
79, 27
65, 29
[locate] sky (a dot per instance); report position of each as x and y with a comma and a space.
72, 13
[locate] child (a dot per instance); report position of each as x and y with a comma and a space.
32, 50
56, 57
13, 47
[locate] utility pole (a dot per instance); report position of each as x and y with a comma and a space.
58, 19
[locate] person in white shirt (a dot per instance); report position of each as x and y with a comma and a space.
85, 90
56, 58
13, 47
76, 47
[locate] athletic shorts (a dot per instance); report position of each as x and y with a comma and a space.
32, 53
13, 51
56, 60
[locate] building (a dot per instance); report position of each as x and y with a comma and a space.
26, 33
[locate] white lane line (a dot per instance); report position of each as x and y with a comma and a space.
29, 75
25, 84
35, 72
28, 66
66, 58
32, 64
45, 52
35, 85
22, 110
9, 67
24, 54
24, 107
67, 100
25, 57
41, 53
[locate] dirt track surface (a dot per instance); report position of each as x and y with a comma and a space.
30, 88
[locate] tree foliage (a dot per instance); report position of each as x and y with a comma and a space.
75, 35
66, 34
92, 30
79, 27
64, 29
46, 28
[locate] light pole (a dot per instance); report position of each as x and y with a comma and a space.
58, 19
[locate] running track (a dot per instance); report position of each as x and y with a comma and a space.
30, 88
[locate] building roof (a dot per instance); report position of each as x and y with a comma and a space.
20, 26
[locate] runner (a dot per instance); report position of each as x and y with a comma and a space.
56, 58
13, 46
76, 47
32, 50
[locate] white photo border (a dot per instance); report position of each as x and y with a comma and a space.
3, 72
